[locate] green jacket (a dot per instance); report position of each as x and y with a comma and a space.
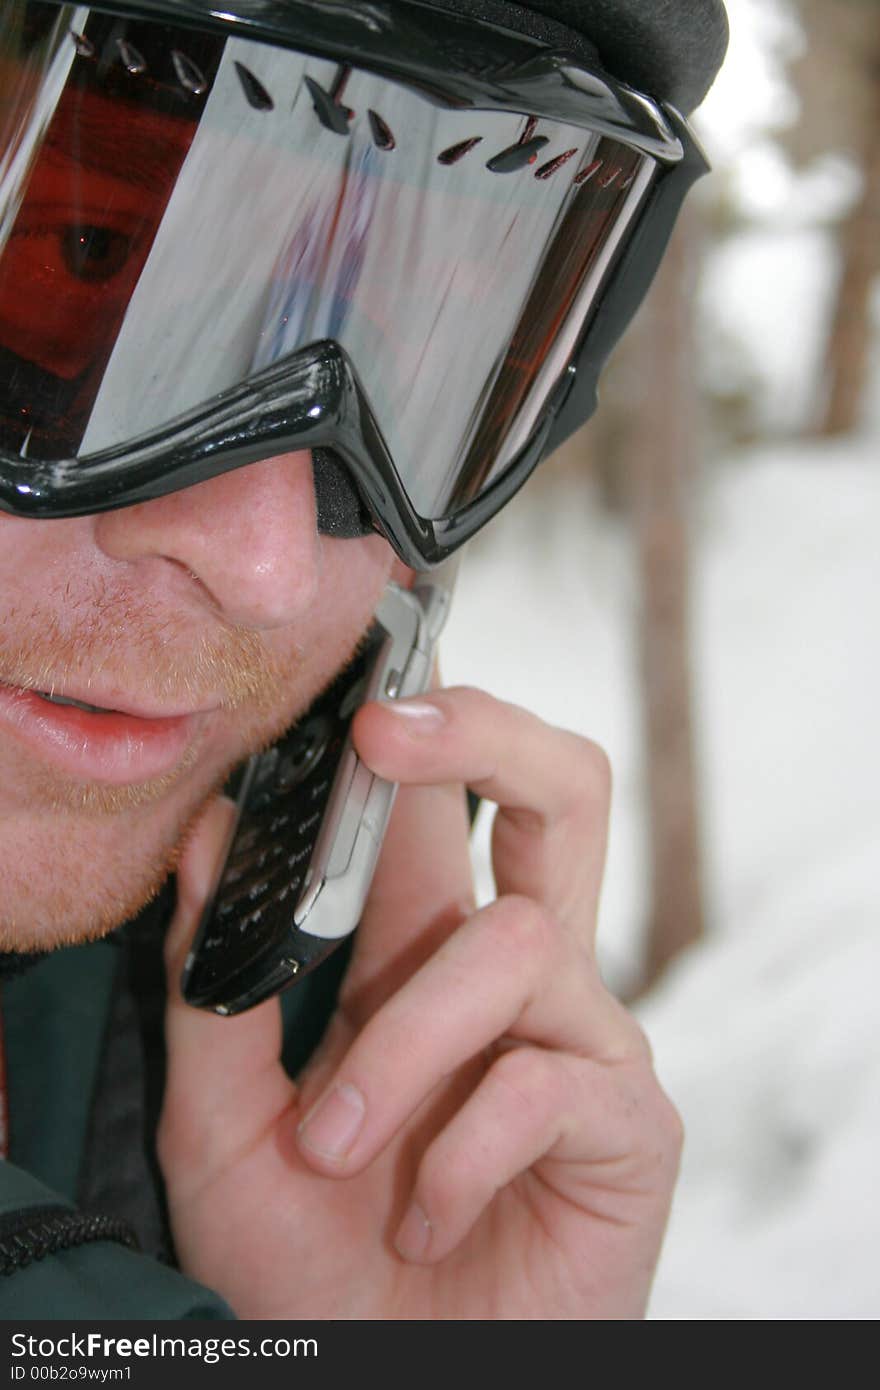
85, 1065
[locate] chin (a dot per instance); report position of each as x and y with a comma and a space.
82, 875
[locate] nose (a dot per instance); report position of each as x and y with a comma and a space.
249, 537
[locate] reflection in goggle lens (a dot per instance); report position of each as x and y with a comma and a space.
92, 199
194, 209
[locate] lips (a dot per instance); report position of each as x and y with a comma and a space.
74, 704
105, 740
109, 700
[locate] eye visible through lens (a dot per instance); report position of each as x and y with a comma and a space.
94, 253
96, 189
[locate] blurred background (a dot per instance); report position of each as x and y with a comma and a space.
693, 581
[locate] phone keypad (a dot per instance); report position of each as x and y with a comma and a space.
266, 871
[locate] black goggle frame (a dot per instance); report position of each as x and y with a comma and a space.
313, 399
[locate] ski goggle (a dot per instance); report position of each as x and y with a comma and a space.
215, 249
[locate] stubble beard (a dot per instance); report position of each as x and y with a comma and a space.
102, 853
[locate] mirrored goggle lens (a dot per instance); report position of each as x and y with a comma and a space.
180, 210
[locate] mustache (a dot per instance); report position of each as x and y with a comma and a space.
124, 640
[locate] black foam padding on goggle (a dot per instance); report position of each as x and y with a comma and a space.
670, 49
338, 504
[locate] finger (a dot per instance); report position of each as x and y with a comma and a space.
508, 973
218, 1068
552, 788
579, 1120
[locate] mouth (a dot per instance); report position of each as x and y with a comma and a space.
111, 700
75, 704
115, 743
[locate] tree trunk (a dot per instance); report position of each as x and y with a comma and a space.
661, 478
849, 341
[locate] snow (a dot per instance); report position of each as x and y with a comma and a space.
766, 1034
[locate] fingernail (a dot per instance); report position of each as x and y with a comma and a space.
414, 1235
331, 1126
421, 717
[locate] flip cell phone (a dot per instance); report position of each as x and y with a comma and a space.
309, 821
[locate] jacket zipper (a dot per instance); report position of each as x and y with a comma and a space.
35, 1232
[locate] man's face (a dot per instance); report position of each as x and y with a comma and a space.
209, 619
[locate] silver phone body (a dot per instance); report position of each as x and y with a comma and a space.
309, 821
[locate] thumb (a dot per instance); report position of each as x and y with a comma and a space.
225, 1083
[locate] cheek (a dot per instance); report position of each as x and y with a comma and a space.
352, 578
353, 575
36, 554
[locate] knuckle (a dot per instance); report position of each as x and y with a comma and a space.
528, 1075
640, 1043
525, 929
473, 702
588, 779
661, 1129
670, 1127
593, 774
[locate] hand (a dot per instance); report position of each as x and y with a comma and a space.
480, 1134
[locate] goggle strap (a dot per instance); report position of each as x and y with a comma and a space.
627, 287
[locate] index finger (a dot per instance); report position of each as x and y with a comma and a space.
552, 788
